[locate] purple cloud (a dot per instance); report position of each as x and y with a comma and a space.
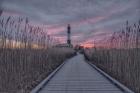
90, 19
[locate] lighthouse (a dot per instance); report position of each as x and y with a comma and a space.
69, 35
68, 41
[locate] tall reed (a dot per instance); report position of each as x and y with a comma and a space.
119, 56
27, 55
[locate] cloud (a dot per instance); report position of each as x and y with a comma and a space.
90, 19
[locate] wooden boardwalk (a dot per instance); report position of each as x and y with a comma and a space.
77, 76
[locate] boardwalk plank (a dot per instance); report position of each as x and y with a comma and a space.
76, 76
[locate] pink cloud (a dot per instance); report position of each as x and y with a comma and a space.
88, 20
56, 30
11, 13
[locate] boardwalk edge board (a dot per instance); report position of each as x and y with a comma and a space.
115, 82
46, 80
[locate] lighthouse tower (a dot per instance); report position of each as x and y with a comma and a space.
69, 35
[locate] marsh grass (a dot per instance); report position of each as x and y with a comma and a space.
119, 56
27, 55
21, 70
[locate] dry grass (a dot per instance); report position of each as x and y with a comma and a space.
26, 54
21, 70
124, 65
119, 56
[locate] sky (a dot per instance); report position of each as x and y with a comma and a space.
90, 20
